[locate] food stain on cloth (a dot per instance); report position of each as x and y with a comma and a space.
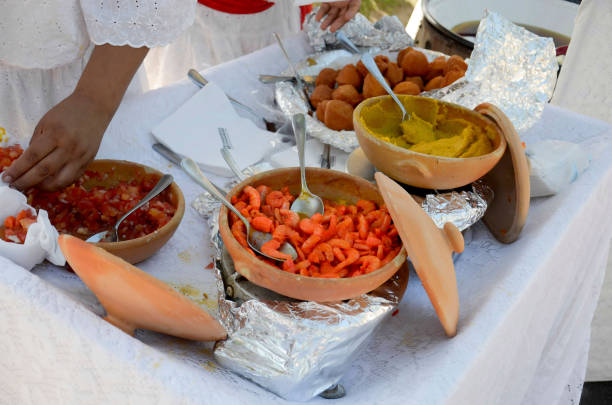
185, 256
195, 295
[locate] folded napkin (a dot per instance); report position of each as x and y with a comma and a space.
41, 239
193, 131
313, 151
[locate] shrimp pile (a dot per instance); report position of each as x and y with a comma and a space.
346, 241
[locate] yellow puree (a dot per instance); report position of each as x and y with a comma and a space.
429, 131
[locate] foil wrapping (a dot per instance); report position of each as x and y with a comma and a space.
510, 67
387, 33
463, 208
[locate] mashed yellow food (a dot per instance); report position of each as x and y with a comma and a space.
432, 128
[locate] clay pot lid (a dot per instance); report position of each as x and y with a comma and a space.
134, 299
429, 249
509, 179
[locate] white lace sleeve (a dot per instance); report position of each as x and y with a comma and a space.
137, 22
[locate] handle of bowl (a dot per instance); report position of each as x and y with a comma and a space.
454, 237
418, 166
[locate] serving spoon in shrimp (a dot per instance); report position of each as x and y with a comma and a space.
255, 239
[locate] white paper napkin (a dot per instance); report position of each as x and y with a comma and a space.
193, 131
41, 239
313, 150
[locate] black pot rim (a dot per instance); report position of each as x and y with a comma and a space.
443, 30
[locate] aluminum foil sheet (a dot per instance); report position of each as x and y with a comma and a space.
511, 68
387, 33
298, 349
463, 208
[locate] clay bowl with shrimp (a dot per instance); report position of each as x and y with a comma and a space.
330, 185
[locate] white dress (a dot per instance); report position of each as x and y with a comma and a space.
217, 37
45, 45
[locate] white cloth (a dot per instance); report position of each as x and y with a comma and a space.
525, 307
584, 87
217, 37
45, 46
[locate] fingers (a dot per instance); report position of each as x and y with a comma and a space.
323, 9
331, 16
65, 176
46, 167
345, 16
39, 148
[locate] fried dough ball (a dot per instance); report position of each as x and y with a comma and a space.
401, 54
349, 75
371, 87
338, 115
363, 71
436, 67
395, 74
320, 93
382, 62
452, 75
415, 63
327, 76
407, 88
455, 62
347, 93
435, 83
418, 80
321, 110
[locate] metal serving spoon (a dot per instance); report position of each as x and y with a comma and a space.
161, 185
267, 79
307, 203
255, 239
370, 64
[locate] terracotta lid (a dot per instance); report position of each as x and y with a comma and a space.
134, 299
509, 179
429, 248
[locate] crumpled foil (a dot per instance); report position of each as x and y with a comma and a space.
511, 68
298, 349
463, 208
387, 33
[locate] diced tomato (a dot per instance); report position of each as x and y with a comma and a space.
76, 210
15, 229
8, 154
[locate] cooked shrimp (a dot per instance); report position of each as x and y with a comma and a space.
310, 243
263, 191
239, 231
366, 206
290, 218
275, 199
352, 256
263, 224
270, 248
254, 197
369, 263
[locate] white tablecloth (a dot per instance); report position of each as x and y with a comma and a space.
524, 319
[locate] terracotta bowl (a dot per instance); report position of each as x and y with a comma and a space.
421, 170
327, 184
139, 249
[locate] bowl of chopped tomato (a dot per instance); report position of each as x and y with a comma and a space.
107, 190
351, 249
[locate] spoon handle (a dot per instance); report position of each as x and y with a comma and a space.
299, 130
161, 185
369, 63
192, 169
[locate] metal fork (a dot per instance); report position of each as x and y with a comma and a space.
227, 154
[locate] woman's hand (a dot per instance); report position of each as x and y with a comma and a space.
67, 138
65, 141
338, 13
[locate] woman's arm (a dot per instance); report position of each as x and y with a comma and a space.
67, 138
